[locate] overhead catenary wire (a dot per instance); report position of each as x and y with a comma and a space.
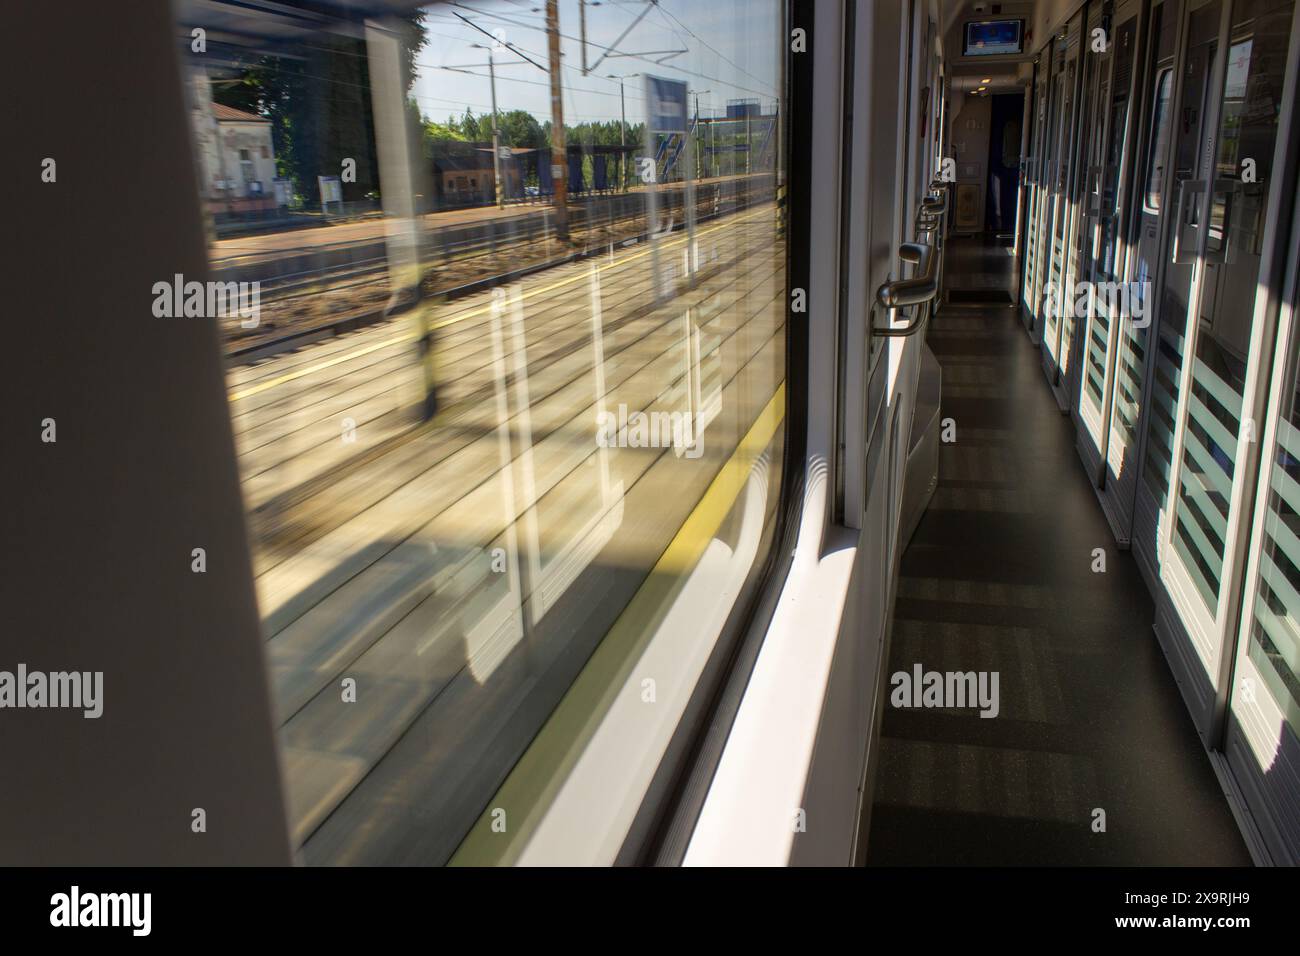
698, 74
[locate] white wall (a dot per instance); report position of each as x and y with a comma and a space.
969, 142
254, 137
217, 145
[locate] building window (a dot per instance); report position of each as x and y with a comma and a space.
246, 167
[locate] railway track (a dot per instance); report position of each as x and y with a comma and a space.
311, 304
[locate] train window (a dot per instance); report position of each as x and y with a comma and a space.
1159, 141
509, 413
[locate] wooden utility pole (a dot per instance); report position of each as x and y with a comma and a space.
496, 133
559, 155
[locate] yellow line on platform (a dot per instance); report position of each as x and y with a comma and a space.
535, 780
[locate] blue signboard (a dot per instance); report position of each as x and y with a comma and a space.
665, 105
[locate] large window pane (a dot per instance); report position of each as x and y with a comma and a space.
483, 433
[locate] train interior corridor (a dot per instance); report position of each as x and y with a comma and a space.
1001, 576
578, 433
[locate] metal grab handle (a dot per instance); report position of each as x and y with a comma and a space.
920, 288
1185, 187
931, 211
1228, 187
929, 216
917, 290
937, 206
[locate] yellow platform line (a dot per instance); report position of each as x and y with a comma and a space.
535, 780
410, 336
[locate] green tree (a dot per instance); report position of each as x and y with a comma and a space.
520, 129
318, 102
442, 131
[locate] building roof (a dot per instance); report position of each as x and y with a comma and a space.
221, 113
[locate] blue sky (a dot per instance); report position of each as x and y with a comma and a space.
731, 51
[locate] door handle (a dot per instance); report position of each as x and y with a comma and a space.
918, 290
1185, 186
1096, 175
930, 213
1227, 187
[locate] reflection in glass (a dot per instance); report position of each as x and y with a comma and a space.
508, 345
1251, 99
1186, 190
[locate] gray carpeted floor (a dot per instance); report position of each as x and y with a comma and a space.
998, 577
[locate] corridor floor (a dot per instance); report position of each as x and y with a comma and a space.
1091, 730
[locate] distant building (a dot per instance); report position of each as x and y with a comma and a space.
465, 175
235, 156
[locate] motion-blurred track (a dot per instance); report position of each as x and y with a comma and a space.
433, 563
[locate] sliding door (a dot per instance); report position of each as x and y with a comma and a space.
1149, 188
1081, 215
1065, 83
1035, 182
1182, 208
1102, 252
1228, 346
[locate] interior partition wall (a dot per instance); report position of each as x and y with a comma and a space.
1221, 110
1234, 318
1183, 191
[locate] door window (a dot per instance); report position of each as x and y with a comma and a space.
1242, 176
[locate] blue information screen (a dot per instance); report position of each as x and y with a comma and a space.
993, 37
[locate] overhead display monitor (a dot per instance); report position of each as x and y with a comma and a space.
994, 37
